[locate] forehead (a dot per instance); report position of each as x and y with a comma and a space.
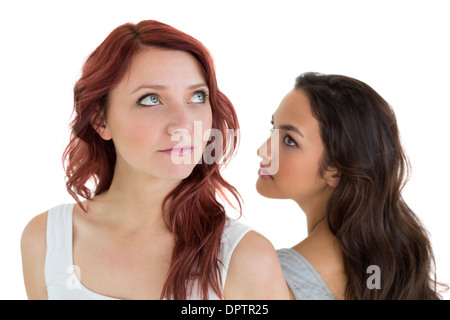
163, 67
294, 108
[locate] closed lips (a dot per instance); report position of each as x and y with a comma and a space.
183, 150
264, 174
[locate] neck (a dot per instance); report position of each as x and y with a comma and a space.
135, 198
315, 210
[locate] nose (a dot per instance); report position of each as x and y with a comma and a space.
179, 120
265, 152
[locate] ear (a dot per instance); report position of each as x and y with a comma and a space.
332, 177
99, 124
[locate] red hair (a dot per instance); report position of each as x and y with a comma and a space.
193, 214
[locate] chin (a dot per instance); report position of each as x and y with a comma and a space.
178, 172
264, 189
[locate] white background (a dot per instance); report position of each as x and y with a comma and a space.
400, 48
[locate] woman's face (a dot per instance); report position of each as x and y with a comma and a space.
291, 166
154, 108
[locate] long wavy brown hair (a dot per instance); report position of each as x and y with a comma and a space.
192, 210
366, 211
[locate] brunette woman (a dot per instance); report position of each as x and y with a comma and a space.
338, 155
152, 226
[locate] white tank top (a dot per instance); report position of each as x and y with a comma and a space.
62, 277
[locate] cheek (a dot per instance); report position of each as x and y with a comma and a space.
299, 173
134, 138
140, 132
290, 171
206, 118
204, 123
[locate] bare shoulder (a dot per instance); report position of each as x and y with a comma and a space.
33, 248
254, 271
34, 234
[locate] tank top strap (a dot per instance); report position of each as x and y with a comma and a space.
58, 260
233, 232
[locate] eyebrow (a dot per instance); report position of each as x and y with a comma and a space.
162, 87
289, 127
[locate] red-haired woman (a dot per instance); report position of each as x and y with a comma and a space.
152, 228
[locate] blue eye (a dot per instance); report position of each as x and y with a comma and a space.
198, 97
149, 100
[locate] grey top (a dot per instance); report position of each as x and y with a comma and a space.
304, 281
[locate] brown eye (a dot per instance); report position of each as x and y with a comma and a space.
289, 141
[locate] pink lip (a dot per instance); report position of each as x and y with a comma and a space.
179, 151
264, 174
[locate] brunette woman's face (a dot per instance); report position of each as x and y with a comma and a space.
291, 165
152, 112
